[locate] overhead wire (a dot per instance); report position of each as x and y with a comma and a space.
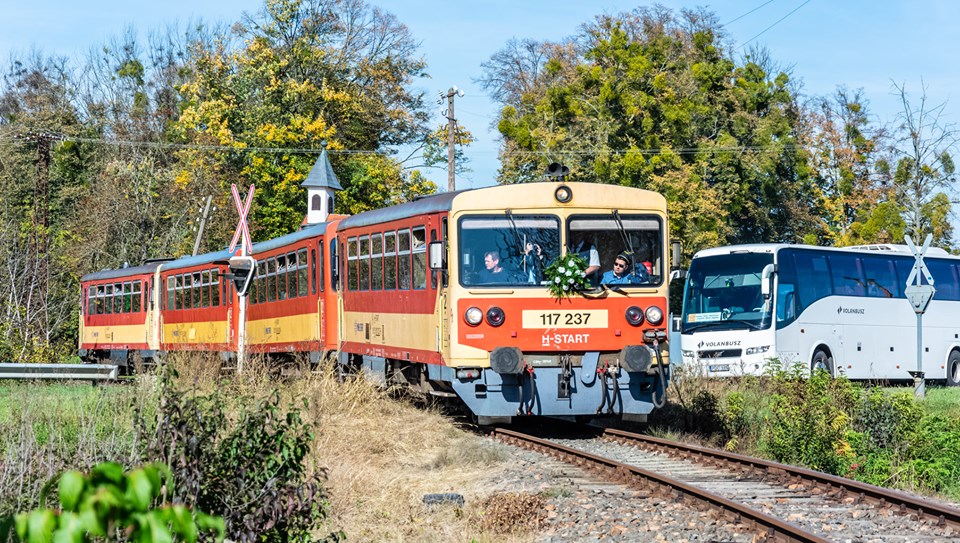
780, 20
312, 150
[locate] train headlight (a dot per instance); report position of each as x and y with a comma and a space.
654, 315
758, 350
495, 316
563, 194
634, 315
473, 316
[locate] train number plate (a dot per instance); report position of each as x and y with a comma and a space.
565, 319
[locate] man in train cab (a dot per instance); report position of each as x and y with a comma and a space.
624, 274
493, 272
588, 251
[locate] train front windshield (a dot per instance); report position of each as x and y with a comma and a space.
507, 250
723, 293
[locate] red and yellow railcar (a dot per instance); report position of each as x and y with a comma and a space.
291, 305
119, 314
197, 305
420, 301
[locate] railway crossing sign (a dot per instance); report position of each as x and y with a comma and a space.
243, 208
919, 294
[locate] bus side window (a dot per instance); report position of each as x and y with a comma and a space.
846, 274
881, 277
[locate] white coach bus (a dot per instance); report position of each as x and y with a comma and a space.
842, 310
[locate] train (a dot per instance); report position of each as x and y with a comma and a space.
449, 294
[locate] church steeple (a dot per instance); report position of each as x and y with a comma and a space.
321, 184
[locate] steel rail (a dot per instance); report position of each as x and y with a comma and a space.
775, 529
942, 514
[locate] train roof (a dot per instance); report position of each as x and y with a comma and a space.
147, 268
313, 230
774, 247
501, 196
421, 206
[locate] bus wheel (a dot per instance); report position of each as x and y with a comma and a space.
821, 361
953, 369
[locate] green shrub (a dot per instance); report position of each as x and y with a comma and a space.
934, 455
108, 504
250, 471
810, 421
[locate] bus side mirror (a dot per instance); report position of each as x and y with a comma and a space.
437, 253
765, 280
242, 271
674, 254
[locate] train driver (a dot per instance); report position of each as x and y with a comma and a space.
493, 272
624, 274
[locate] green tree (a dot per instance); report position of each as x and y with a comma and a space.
843, 154
923, 168
307, 71
654, 99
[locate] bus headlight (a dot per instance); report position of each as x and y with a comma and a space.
495, 316
473, 316
654, 315
634, 315
686, 354
758, 350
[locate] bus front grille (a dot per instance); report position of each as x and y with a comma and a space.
721, 353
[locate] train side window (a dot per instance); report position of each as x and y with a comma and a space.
91, 301
282, 268
313, 269
443, 235
171, 289
376, 262
177, 292
205, 288
403, 259
353, 263
364, 263
108, 300
197, 289
390, 261
303, 271
214, 288
136, 294
271, 279
100, 300
433, 273
125, 298
320, 265
261, 281
334, 264
292, 287
419, 250
187, 289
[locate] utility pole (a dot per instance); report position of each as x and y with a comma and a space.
451, 135
203, 221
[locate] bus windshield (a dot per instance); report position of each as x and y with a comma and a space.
723, 292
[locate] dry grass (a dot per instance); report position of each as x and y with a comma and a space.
382, 455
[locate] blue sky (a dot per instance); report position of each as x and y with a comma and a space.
824, 42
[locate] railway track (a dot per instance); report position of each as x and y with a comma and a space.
775, 501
